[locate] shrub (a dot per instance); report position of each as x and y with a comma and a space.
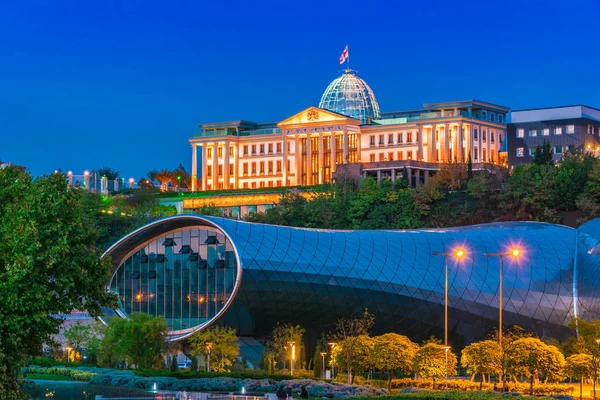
463, 385
75, 374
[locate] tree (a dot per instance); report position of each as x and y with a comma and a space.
527, 356
138, 340
393, 352
469, 168
430, 361
77, 337
283, 335
173, 367
347, 329
579, 366
482, 358
220, 343
589, 336
109, 173
543, 155
49, 265
210, 210
356, 352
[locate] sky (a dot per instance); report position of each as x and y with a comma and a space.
125, 83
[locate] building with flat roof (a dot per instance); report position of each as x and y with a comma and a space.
566, 128
197, 271
347, 134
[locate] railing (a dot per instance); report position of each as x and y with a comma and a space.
215, 133
269, 131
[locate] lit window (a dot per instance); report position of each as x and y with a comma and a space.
381, 156
520, 132
262, 149
570, 128
270, 147
245, 168
390, 139
230, 169
381, 139
399, 155
245, 185
520, 151
409, 155
254, 168
409, 137
270, 167
209, 170
220, 170
245, 150
533, 132
399, 138
220, 152
372, 157
546, 132
390, 156
558, 131
278, 166
279, 147
262, 167
484, 155
230, 151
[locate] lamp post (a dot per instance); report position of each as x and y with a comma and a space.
68, 349
209, 346
458, 254
513, 253
323, 365
293, 348
332, 344
595, 364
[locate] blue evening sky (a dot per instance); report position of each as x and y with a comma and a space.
125, 83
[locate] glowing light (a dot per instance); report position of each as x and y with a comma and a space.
589, 146
86, 173
70, 173
459, 253
515, 252
131, 180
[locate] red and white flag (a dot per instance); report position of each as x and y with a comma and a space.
344, 55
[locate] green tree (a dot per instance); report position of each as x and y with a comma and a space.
347, 330
220, 342
139, 340
173, 365
482, 358
393, 352
49, 265
469, 168
94, 342
77, 336
589, 336
107, 172
283, 335
430, 361
210, 210
528, 356
543, 155
579, 366
357, 353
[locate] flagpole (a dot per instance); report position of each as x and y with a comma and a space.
348, 57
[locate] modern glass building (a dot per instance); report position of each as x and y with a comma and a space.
199, 270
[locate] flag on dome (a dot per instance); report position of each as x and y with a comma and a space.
344, 55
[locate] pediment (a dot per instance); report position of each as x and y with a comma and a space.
316, 115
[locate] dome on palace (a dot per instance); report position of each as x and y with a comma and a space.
351, 96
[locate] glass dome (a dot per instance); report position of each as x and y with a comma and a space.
351, 96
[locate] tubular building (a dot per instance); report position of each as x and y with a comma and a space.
196, 271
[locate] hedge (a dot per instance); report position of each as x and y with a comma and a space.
203, 374
448, 395
75, 374
464, 385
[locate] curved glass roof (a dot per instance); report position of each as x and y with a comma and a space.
351, 96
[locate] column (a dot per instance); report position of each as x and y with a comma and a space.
358, 148
284, 162
420, 141
393, 175
378, 176
444, 147
487, 146
226, 166
461, 156
297, 161
426, 176
480, 143
203, 170
432, 157
321, 158
409, 176
308, 180
469, 143
236, 166
215, 166
333, 155
345, 160
418, 177
194, 167
455, 144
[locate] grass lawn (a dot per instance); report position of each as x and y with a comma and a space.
49, 377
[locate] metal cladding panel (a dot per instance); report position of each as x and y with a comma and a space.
312, 277
588, 270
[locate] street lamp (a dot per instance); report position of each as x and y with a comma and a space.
323, 365
446, 350
514, 252
68, 349
293, 348
209, 346
332, 344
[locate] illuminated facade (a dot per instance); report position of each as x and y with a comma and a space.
347, 133
197, 271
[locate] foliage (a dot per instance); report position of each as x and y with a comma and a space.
49, 265
394, 352
356, 353
173, 365
430, 361
579, 366
482, 358
347, 330
283, 335
210, 210
222, 343
543, 155
166, 178
74, 374
470, 386
528, 356
78, 336
138, 340
107, 172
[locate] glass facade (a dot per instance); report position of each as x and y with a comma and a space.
312, 277
186, 275
349, 95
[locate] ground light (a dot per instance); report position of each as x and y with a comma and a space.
515, 253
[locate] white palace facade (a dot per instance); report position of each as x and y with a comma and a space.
347, 134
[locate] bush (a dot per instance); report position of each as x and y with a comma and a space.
75, 374
49, 362
203, 374
463, 385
